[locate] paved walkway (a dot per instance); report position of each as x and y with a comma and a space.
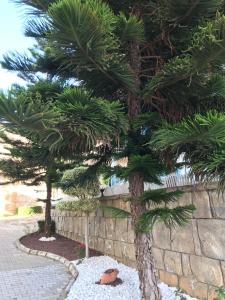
23, 276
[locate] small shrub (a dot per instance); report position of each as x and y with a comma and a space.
29, 211
220, 294
41, 226
81, 250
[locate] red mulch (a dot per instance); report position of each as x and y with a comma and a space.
61, 246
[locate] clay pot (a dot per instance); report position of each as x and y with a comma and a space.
109, 276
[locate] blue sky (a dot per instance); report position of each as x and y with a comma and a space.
12, 18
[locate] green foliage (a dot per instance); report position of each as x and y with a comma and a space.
171, 217
130, 29
208, 43
73, 184
74, 120
207, 129
115, 212
163, 61
85, 30
220, 294
161, 196
146, 165
84, 192
201, 140
41, 226
29, 210
85, 119
175, 70
83, 205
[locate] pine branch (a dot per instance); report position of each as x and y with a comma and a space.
115, 212
171, 217
157, 197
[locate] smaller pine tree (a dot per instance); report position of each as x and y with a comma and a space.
31, 163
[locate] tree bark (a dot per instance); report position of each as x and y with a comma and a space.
48, 218
143, 242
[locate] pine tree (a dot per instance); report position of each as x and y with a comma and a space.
28, 159
201, 141
160, 57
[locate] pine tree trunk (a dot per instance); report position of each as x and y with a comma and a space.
143, 244
48, 208
86, 235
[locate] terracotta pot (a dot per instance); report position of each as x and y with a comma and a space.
109, 276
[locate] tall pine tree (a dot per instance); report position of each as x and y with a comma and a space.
161, 57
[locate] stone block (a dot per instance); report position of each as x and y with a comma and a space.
59, 223
71, 224
121, 230
102, 228
161, 236
218, 204
97, 225
223, 269
124, 204
91, 226
91, 242
65, 224
212, 294
202, 204
158, 258
75, 227
130, 252
130, 263
118, 249
130, 233
197, 244
186, 265
109, 247
182, 240
185, 199
206, 270
212, 238
110, 228
168, 278
193, 287
100, 245
172, 262
99, 212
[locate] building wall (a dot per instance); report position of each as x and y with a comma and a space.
17, 195
192, 257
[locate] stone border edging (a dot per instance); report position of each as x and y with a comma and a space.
69, 265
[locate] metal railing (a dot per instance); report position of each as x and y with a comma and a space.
170, 181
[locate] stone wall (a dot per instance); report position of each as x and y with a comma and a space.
192, 257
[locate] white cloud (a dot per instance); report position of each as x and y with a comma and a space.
8, 78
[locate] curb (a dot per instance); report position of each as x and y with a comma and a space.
69, 265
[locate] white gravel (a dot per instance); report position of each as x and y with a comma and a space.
90, 270
47, 239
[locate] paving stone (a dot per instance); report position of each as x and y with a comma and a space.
23, 276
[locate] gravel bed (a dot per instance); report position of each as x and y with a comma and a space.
60, 246
90, 270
